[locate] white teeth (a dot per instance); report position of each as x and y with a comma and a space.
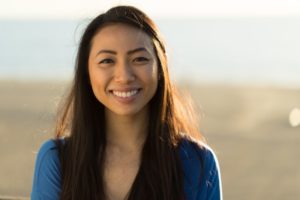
125, 94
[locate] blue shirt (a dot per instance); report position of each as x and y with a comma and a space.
200, 182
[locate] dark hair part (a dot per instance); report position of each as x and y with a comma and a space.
82, 123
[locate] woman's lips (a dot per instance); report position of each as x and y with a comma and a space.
126, 96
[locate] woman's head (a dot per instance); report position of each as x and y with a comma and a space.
82, 98
81, 102
111, 26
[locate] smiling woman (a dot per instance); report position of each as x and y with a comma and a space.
124, 133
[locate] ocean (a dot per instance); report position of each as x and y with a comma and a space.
252, 51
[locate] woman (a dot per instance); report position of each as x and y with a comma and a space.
123, 132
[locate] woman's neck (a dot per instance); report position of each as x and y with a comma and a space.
126, 133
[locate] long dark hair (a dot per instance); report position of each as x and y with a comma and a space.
82, 124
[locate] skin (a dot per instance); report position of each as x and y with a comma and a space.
123, 74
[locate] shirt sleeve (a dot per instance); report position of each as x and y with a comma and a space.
202, 180
212, 177
47, 173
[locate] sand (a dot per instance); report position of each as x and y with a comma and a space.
248, 127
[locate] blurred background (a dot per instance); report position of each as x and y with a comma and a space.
239, 60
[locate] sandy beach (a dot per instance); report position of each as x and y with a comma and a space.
247, 126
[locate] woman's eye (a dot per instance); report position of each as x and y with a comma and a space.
141, 60
106, 61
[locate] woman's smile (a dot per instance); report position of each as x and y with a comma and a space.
125, 93
126, 96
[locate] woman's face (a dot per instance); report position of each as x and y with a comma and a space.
123, 69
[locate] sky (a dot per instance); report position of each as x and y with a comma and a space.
76, 9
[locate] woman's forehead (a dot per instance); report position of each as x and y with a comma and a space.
121, 36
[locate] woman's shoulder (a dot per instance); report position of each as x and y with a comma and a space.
190, 149
47, 173
49, 146
48, 154
200, 169
195, 155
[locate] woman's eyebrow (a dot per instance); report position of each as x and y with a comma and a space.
129, 52
137, 50
106, 51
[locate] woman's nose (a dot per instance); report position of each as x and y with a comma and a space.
124, 73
